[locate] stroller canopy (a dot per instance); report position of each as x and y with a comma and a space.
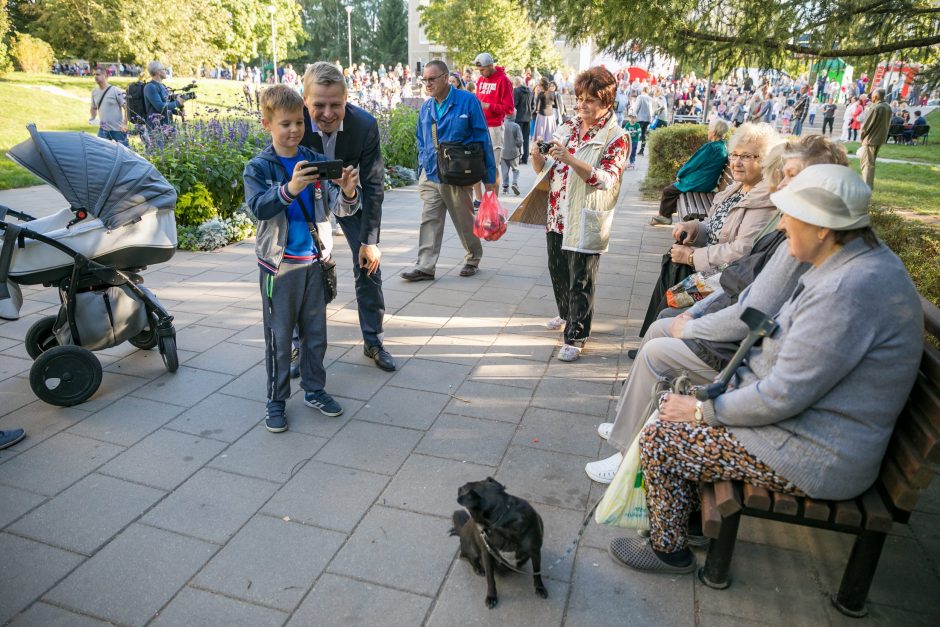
102, 177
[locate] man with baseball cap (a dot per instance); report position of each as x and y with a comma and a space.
494, 90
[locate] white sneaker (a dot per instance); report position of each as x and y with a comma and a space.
604, 429
569, 353
554, 324
604, 470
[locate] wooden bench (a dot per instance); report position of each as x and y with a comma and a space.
695, 205
686, 119
905, 472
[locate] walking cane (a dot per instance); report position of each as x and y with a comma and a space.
760, 325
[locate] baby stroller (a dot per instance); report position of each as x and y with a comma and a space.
120, 221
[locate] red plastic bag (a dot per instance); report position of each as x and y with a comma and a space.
491, 218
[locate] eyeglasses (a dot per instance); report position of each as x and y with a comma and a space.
430, 79
745, 158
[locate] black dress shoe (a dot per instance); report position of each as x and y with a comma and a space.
381, 357
468, 270
417, 275
632, 353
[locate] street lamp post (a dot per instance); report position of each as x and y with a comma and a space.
272, 10
349, 32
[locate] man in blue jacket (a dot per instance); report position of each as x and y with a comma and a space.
459, 119
160, 106
699, 174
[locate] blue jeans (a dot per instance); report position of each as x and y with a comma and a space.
118, 136
797, 127
633, 146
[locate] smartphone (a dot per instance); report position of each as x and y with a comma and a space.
326, 169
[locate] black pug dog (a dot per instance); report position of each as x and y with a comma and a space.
508, 524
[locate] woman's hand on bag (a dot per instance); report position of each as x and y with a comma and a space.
677, 408
680, 253
677, 325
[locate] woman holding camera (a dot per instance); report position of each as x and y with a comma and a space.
583, 166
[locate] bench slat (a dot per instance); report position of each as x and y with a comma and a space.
711, 517
930, 364
927, 399
921, 433
902, 494
877, 516
815, 510
785, 504
756, 498
847, 513
903, 452
727, 499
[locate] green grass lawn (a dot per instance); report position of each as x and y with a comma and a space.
906, 187
62, 103
929, 153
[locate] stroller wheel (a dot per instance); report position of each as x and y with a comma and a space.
146, 339
167, 345
40, 337
65, 375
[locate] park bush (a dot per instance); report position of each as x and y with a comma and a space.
918, 246
669, 148
397, 133
5, 62
195, 206
31, 53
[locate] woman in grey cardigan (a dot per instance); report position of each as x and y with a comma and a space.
813, 409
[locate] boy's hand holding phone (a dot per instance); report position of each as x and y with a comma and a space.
304, 174
349, 181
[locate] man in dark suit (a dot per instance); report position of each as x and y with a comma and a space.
343, 131
522, 100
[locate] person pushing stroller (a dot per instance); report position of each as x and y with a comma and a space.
283, 194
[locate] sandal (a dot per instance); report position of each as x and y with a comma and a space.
569, 353
638, 554
554, 324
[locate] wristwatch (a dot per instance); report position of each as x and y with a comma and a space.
699, 415
691, 255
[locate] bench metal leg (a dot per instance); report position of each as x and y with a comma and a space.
859, 573
716, 572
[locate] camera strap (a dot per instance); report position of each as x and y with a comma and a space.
308, 216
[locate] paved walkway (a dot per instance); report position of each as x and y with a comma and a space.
163, 500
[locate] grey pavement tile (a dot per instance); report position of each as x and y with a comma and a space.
198, 608
228, 358
271, 456
461, 600
930, 498
370, 446
187, 386
583, 397
436, 314
327, 496
340, 333
561, 527
429, 484
88, 514
15, 393
341, 602
495, 313
234, 318
11, 366
523, 373
519, 346
212, 505
16, 329
29, 569
565, 432
251, 335
546, 477
408, 331
45, 615
41, 421
50, 467
491, 401
885, 615
221, 417
403, 408
109, 585
437, 295
505, 295
604, 593
453, 350
197, 337
402, 549
144, 364
127, 421
16, 502
311, 422
114, 387
164, 459
251, 385
208, 304
357, 381
467, 439
271, 562
430, 376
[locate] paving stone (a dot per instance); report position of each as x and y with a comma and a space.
437, 295
882, 615
29, 569
45, 615
251, 385
15, 393
164, 459
522, 373
546, 477
50, 467
41, 421
311, 422
403, 408
110, 585
271, 456
221, 417
583, 397
429, 484
271, 562
228, 358
127, 421
88, 514
491, 401
11, 366
234, 318
408, 331
144, 364
16, 502
430, 376
327, 496
198, 608
223, 501
369, 446
519, 346
461, 600
496, 313
187, 386
355, 380
564, 432
197, 337
453, 350
436, 314
340, 602
604, 593
409, 551
467, 439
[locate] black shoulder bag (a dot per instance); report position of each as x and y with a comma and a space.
328, 265
459, 164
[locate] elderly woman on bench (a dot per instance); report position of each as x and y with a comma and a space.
813, 409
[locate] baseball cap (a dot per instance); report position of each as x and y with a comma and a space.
826, 195
483, 59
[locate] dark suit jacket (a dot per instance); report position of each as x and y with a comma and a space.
358, 145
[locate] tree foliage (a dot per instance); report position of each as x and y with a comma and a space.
390, 42
31, 53
737, 33
500, 27
379, 31
5, 64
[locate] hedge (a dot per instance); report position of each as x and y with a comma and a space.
669, 148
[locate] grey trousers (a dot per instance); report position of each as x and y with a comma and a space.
867, 155
294, 297
439, 200
659, 356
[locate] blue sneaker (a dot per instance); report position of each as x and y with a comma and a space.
11, 437
276, 420
324, 402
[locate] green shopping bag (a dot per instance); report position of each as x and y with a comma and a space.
624, 502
